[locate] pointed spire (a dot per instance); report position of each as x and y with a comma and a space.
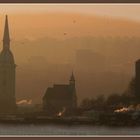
6, 36
72, 77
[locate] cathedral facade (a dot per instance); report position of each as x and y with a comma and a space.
7, 75
61, 99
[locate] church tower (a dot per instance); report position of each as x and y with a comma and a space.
7, 75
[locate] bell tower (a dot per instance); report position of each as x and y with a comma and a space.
72, 80
73, 91
7, 75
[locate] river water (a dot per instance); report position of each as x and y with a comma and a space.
65, 130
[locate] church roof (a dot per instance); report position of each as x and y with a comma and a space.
59, 92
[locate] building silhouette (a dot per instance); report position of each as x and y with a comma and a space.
61, 98
137, 78
7, 75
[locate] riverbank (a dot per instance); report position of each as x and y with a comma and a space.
105, 119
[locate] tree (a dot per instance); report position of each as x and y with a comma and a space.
114, 101
85, 104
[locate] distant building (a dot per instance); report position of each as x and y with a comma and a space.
137, 79
90, 61
7, 75
61, 99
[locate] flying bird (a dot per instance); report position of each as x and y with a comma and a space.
74, 21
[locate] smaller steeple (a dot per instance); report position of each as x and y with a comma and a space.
6, 36
72, 79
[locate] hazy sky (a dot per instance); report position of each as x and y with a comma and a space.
33, 21
131, 11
